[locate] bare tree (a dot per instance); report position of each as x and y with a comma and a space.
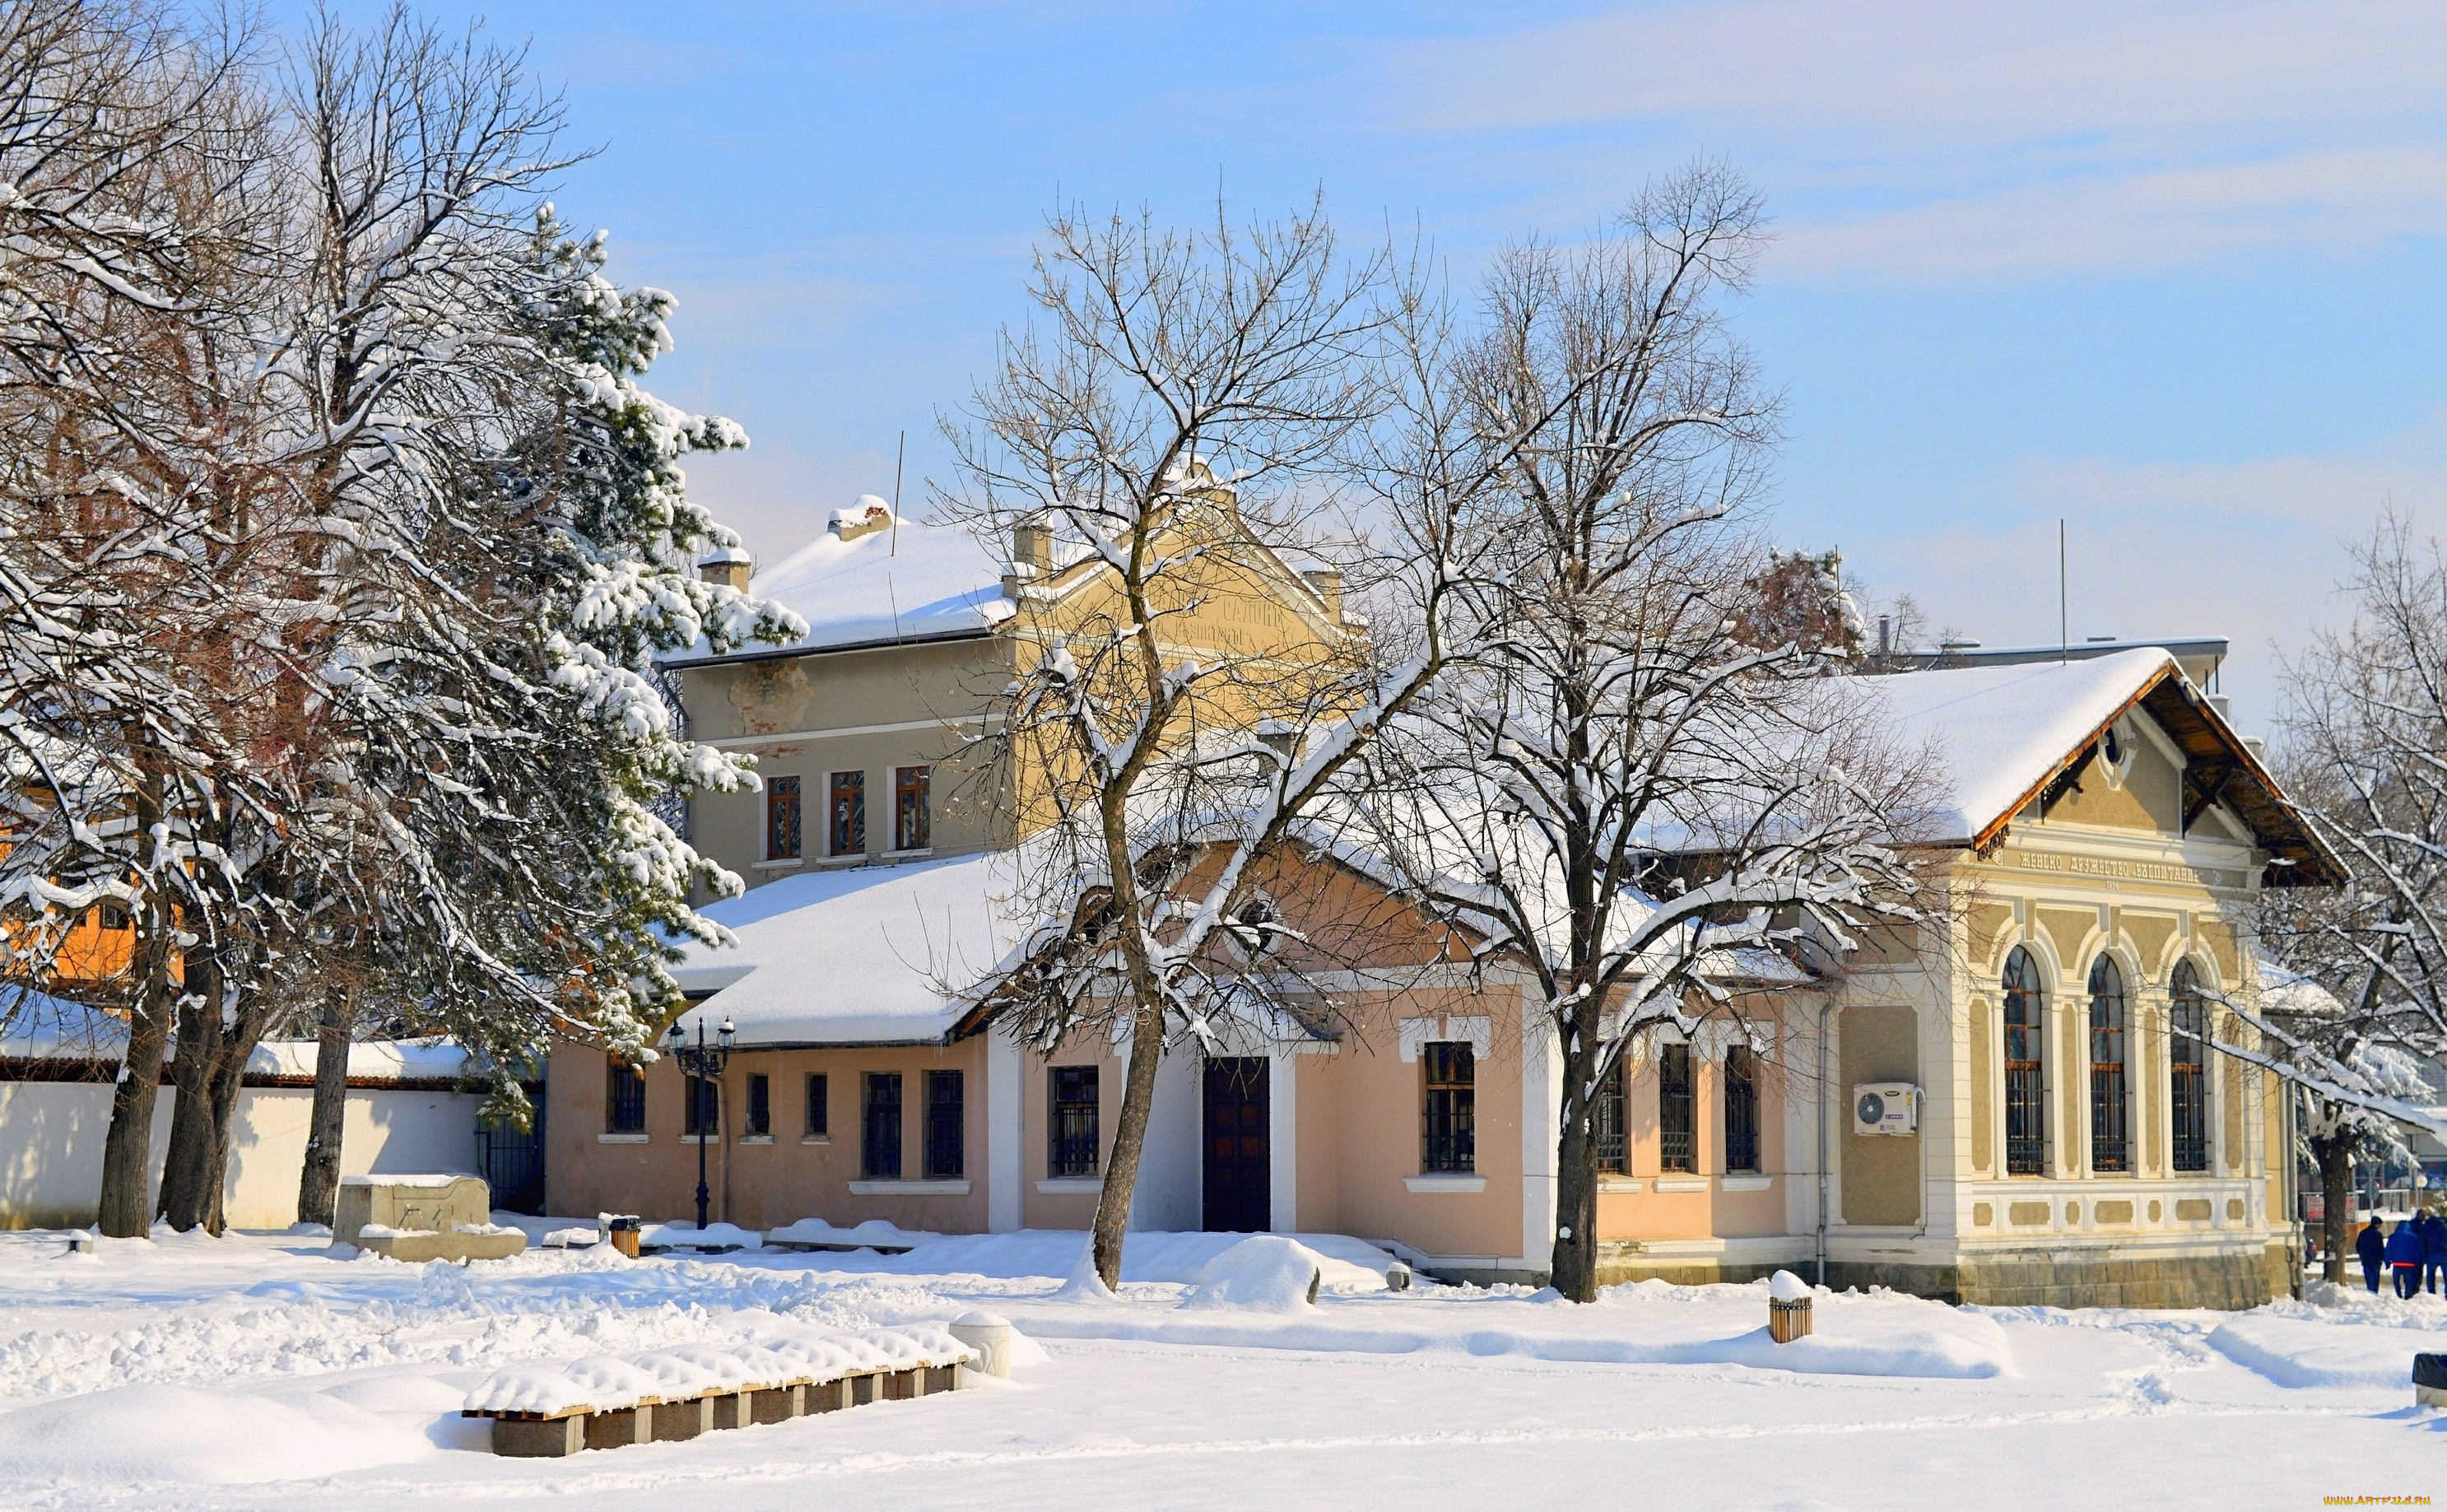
1626, 786
2362, 751
1183, 409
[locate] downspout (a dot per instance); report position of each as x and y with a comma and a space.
1824, 1008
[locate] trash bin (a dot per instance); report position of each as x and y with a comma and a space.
624, 1231
2430, 1380
1788, 1308
990, 1336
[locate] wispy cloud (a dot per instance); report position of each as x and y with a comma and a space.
1936, 141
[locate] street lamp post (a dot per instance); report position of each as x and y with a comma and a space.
701, 1063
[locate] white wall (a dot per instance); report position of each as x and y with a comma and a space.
1167, 1196
51, 1136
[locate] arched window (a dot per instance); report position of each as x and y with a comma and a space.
2188, 1083
2026, 1102
2109, 1114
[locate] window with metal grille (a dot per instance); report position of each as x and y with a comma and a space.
624, 1099
2110, 1111
946, 1125
1605, 1126
703, 1106
1452, 1114
1677, 1148
846, 815
819, 1124
2187, 1090
1070, 1125
879, 1151
912, 825
2027, 1103
1742, 1110
780, 819
760, 1105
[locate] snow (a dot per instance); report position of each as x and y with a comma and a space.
258, 1370
416, 1179
1267, 1273
933, 583
1786, 1287
2000, 730
887, 937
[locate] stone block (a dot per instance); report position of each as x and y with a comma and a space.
902, 1386
619, 1427
865, 1389
940, 1378
733, 1409
682, 1420
778, 1403
538, 1438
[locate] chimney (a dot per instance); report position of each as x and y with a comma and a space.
1328, 586
1032, 544
726, 565
864, 517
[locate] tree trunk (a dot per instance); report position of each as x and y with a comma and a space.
1573, 1269
185, 1203
2336, 1156
126, 1209
1130, 1139
319, 1184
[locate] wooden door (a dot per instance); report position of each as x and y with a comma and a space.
1239, 1174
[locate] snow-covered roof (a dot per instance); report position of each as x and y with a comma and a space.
921, 582
858, 956
39, 1027
2001, 731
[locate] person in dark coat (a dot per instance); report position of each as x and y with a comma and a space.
2371, 1246
2434, 1252
2404, 1260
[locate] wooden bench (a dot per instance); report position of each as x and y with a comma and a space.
551, 1435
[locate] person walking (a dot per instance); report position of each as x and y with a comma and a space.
2404, 1260
2370, 1246
2434, 1252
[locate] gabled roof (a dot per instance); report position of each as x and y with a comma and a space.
2006, 733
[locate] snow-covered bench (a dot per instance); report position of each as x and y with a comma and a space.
874, 1234
604, 1402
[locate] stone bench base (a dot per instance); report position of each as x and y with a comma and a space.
526, 1435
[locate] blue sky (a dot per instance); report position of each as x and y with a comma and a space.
2168, 271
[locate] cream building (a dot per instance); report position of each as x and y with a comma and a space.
2065, 1134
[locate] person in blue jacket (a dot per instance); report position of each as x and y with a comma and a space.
2370, 1246
2404, 1260
2434, 1252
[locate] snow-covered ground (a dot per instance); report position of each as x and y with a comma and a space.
267, 1370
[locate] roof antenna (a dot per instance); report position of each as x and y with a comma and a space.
902, 456
2064, 621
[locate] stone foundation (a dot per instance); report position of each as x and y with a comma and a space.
2010, 1278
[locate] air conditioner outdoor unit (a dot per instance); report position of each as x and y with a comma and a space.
1885, 1107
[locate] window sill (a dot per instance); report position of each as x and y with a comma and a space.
700, 1138
1069, 1185
834, 864
894, 1186
1446, 1182
815, 1139
784, 863
1746, 1184
755, 1138
921, 853
1620, 1184
622, 1139
1681, 1183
